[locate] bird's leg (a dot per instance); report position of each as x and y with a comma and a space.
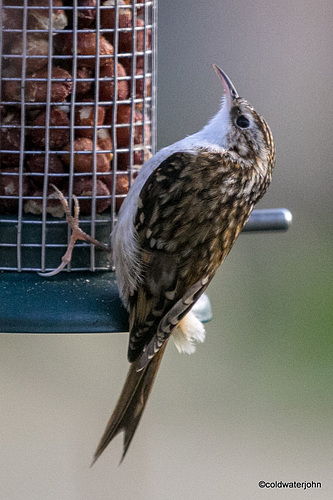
77, 233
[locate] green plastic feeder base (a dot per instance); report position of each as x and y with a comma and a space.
76, 302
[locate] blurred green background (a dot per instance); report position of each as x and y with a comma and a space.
255, 401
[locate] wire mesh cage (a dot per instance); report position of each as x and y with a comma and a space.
78, 111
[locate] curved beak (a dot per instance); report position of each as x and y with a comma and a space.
229, 88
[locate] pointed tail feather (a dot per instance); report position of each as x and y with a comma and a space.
131, 404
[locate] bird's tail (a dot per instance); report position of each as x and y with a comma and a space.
131, 404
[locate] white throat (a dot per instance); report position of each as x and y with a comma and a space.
213, 135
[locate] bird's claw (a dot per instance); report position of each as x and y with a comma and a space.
77, 233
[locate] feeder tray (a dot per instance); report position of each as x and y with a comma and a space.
86, 302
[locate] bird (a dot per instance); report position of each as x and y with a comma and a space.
177, 224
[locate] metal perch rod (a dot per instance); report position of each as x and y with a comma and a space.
269, 219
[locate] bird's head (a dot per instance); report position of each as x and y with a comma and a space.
241, 130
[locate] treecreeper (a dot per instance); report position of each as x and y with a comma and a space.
177, 224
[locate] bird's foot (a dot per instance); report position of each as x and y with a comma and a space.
77, 233
147, 153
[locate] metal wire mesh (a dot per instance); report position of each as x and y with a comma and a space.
78, 109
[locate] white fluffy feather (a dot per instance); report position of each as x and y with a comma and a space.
189, 331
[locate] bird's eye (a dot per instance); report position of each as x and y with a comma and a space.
242, 122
